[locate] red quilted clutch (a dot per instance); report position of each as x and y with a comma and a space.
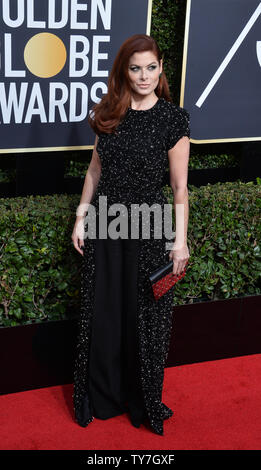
163, 279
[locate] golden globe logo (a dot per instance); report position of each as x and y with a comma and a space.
45, 55
78, 55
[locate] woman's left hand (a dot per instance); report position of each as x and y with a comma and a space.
180, 257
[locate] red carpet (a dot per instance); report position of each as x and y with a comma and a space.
217, 405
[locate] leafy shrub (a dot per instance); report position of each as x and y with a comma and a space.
40, 268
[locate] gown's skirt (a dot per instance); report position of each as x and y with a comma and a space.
124, 334
114, 372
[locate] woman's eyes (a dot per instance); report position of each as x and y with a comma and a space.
134, 69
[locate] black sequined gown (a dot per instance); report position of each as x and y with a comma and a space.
134, 161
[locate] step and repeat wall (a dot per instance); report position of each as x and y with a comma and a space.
55, 58
56, 55
221, 73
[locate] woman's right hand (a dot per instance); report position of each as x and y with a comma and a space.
78, 234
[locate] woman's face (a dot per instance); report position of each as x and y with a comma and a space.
144, 70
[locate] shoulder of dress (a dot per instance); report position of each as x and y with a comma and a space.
175, 111
173, 106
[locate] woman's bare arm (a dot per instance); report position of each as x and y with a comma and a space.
90, 184
178, 166
91, 181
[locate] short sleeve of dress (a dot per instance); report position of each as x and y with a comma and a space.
179, 126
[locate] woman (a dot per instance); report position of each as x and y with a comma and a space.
124, 333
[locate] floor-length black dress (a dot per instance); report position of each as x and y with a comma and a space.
124, 333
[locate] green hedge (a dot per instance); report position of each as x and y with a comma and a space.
40, 269
224, 242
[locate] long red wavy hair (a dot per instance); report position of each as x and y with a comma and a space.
107, 114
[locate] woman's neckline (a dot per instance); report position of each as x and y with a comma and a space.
144, 110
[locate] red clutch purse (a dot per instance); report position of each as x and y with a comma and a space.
163, 279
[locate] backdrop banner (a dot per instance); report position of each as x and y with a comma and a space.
221, 72
55, 59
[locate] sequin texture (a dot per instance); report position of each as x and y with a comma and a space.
134, 161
